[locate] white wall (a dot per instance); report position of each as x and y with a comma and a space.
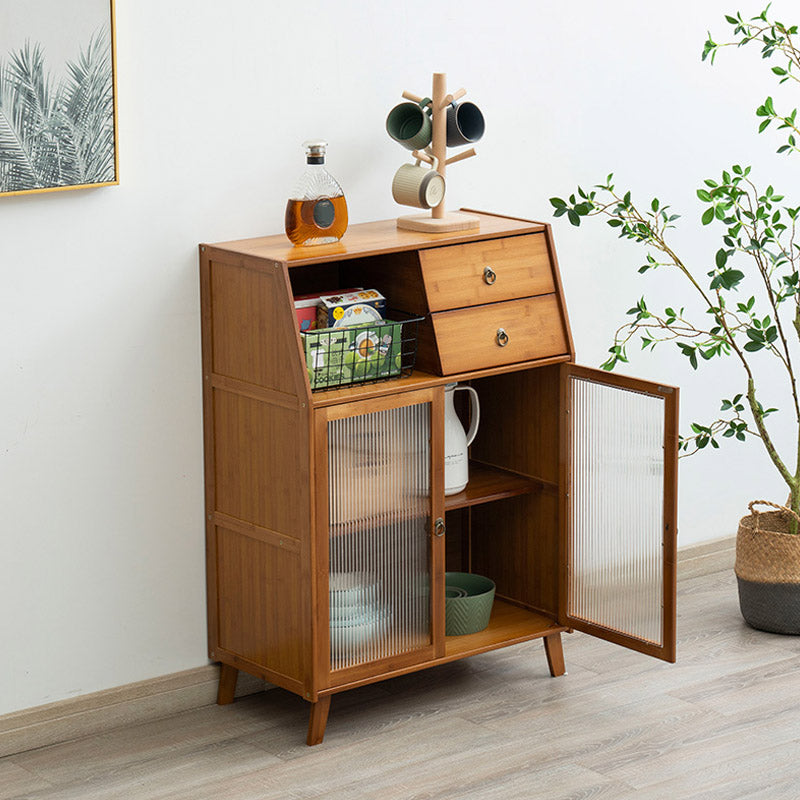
102, 573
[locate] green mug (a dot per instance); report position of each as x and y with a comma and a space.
410, 124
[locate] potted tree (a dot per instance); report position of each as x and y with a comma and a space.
749, 310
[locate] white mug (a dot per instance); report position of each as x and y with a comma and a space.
417, 186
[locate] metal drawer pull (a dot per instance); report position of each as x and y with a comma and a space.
489, 275
502, 337
439, 527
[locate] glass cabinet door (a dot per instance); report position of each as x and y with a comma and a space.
381, 558
619, 453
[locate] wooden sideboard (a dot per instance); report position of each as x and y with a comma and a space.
328, 531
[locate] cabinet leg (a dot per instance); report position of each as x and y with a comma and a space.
227, 684
555, 654
318, 720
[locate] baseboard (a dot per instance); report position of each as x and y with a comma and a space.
133, 703
704, 559
94, 713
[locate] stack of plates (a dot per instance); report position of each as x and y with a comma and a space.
357, 617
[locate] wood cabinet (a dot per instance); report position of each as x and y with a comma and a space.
328, 532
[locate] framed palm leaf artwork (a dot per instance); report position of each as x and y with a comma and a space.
58, 120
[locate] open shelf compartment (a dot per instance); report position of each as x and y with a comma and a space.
509, 624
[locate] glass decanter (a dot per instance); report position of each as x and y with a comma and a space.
316, 212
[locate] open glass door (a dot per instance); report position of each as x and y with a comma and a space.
619, 509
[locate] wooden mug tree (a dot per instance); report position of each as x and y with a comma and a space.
439, 220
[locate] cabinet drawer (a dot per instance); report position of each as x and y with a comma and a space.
470, 338
486, 272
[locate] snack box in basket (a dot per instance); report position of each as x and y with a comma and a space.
365, 352
306, 308
350, 308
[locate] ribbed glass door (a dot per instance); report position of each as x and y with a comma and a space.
379, 542
620, 510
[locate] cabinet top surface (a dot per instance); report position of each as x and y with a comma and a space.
369, 238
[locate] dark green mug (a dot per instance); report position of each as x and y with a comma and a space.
410, 124
465, 124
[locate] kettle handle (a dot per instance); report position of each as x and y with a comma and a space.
475, 412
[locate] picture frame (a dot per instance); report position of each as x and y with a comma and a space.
58, 96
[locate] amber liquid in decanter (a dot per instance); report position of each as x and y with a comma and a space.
308, 221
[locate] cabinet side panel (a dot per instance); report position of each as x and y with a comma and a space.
261, 463
250, 340
260, 603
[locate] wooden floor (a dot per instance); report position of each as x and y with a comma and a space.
724, 722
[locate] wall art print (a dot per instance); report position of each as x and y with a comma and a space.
58, 126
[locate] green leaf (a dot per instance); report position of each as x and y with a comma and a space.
708, 215
721, 258
727, 279
557, 202
704, 195
753, 347
573, 217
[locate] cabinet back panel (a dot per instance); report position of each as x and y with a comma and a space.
250, 322
395, 275
515, 543
261, 464
519, 430
260, 603
520, 422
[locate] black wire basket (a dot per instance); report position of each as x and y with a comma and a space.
366, 353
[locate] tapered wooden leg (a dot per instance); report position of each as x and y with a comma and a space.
227, 684
555, 654
318, 720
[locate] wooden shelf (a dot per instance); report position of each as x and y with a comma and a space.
487, 484
419, 380
509, 624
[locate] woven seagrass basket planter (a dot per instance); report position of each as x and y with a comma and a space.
768, 570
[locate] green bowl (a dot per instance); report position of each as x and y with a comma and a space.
469, 613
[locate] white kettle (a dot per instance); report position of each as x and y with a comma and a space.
456, 442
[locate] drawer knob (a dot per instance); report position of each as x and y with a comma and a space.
439, 527
489, 275
502, 337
